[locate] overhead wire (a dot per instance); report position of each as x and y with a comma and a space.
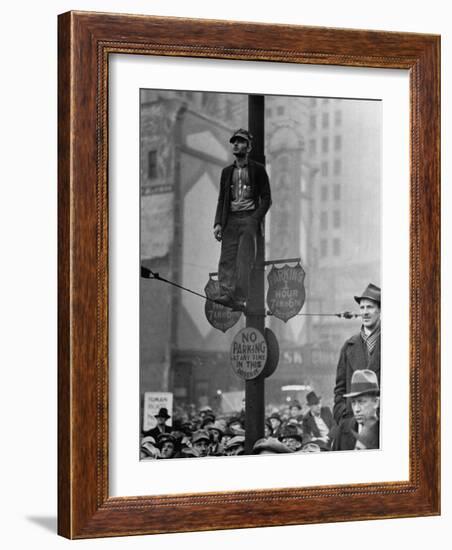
147, 273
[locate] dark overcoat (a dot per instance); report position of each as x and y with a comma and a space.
310, 428
260, 189
344, 439
353, 356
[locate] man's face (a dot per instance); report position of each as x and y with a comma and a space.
240, 147
215, 434
370, 312
292, 443
275, 423
235, 426
315, 409
167, 450
294, 412
201, 447
365, 407
161, 420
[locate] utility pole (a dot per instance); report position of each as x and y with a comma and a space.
255, 309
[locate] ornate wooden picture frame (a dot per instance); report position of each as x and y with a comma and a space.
86, 40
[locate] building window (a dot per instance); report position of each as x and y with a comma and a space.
337, 167
312, 102
337, 143
268, 112
325, 120
323, 220
337, 192
323, 248
337, 118
325, 145
280, 110
312, 146
152, 165
324, 168
312, 122
336, 219
337, 247
324, 193
325, 100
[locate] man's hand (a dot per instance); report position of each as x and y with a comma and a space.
217, 232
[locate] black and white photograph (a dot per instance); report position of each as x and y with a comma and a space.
260, 274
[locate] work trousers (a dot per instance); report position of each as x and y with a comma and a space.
238, 254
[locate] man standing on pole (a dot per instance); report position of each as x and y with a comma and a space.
244, 199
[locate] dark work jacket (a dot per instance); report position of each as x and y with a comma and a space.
353, 357
260, 188
344, 439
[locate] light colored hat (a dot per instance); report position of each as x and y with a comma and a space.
235, 441
216, 426
200, 435
363, 381
270, 444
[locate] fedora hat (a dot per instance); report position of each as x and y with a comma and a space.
163, 413
312, 398
372, 292
363, 381
241, 133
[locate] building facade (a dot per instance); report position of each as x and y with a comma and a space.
323, 158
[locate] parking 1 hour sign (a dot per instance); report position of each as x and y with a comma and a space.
248, 353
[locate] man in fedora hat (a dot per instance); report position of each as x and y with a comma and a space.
243, 200
361, 351
162, 416
361, 431
318, 422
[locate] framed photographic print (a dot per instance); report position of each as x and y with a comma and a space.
248, 266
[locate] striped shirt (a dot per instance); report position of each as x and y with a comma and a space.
371, 339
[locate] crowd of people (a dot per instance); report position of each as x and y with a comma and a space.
288, 428
352, 425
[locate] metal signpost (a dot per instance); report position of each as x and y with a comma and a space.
255, 310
